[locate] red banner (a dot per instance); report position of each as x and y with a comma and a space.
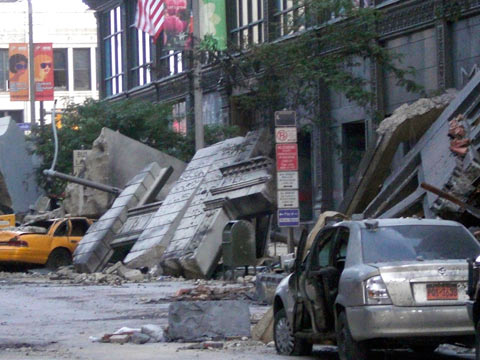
43, 61
18, 72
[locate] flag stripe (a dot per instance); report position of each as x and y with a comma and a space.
150, 16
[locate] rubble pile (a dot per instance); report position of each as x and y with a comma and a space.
203, 292
146, 334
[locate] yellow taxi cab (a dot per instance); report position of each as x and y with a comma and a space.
45, 242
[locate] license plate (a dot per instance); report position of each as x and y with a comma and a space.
442, 292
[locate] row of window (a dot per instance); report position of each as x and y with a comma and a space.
82, 69
124, 69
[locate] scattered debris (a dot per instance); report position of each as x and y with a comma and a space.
203, 292
147, 333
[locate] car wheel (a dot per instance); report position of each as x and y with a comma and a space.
285, 342
57, 258
348, 348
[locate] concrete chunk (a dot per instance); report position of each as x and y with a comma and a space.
199, 320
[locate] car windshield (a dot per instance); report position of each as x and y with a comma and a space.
418, 242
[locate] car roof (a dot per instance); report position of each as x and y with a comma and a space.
399, 222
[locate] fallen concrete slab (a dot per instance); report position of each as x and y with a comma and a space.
114, 160
434, 160
406, 125
94, 250
202, 320
18, 186
227, 180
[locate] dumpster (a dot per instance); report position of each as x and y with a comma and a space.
238, 244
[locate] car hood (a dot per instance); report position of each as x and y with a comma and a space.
425, 283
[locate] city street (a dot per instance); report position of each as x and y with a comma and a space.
41, 319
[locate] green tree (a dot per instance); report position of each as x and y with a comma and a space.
326, 41
147, 122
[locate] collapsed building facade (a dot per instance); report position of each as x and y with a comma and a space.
443, 49
182, 232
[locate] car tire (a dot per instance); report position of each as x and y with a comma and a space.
57, 258
285, 342
348, 348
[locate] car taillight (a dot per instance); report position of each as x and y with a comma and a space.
16, 242
376, 291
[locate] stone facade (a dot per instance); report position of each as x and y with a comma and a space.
441, 46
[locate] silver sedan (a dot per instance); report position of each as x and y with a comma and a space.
385, 283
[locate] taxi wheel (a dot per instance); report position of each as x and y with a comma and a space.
57, 258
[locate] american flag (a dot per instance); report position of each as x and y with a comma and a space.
150, 16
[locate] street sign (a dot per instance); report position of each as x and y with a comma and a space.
286, 135
287, 180
287, 199
287, 157
285, 118
288, 217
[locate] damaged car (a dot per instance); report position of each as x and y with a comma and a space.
385, 283
45, 242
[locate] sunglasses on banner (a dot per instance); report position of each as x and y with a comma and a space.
45, 65
21, 66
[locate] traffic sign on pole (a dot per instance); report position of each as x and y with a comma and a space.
288, 217
287, 157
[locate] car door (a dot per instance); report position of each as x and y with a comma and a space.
78, 229
60, 234
315, 279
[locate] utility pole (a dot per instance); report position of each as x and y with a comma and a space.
197, 91
31, 72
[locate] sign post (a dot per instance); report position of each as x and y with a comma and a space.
287, 172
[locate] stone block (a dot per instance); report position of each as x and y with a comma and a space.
263, 330
199, 320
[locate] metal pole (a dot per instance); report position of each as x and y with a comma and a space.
197, 91
30, 65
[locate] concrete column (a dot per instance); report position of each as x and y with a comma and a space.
444, 48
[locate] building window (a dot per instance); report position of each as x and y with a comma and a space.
288, 17
81, 69
354, 145
142, 60
179, 115
113, 43
3, 69
60, 73
247, 23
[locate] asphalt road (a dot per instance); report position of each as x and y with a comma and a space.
45, 320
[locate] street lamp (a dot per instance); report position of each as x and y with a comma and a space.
31, 75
